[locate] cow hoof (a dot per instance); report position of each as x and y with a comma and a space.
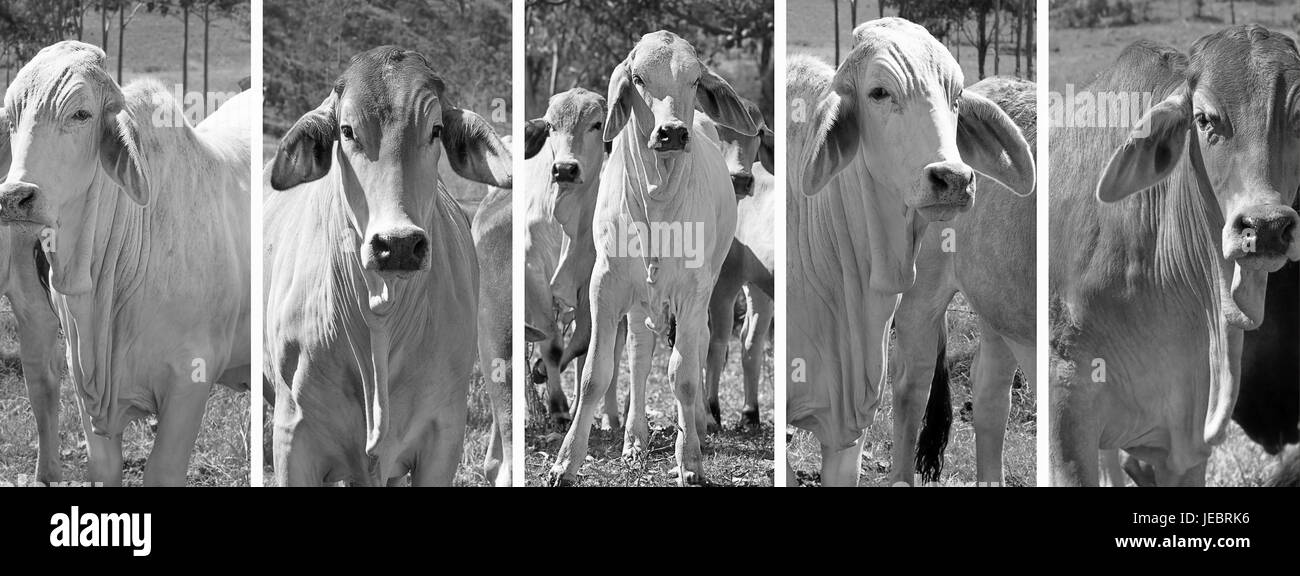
749, 418
559, 480
634, 456
691, 479
713, 427
561, 419
608, 422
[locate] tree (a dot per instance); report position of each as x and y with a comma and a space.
210, 10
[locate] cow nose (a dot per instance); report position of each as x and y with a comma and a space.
743, 183
17, 200
671, 137
566, 171
1271, 226
400, 251
950, 182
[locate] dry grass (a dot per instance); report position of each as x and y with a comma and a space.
220, 455
732, 457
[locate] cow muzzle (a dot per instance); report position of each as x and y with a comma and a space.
1262, 237
399, 251
950, 188
743, 184
566, 172
18, 202
670, 137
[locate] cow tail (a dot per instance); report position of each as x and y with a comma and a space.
43, 273
937, 423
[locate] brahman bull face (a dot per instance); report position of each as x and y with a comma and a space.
573, 130
1241, 101
658, 87
392, 126
898, 104
64, 119
741, 151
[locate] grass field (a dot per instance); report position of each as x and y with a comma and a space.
1078, 54
810, 30
732, 457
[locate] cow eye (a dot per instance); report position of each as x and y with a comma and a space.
81, 115
636, 79
596, 127
347, 132
1203, 122
436, 133
878, 94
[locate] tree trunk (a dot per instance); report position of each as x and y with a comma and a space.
982, 39
207, 24
853, 12
997, 33
881, 5
121, 41
103, 24
1232, 9
1030, 51
185, 50
836, 5
1015, 36
81, 19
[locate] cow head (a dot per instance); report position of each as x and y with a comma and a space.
572, 133
1240, 103
68, 126
391, 125
740, 151
658, 87
897, 102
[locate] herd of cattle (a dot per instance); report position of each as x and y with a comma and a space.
1173, 269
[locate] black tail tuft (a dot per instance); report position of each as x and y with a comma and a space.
937, 423
43, 273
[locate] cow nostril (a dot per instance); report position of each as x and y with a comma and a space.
937, 181
420, 250
381, 248
27, 199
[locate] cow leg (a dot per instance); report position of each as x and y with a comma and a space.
103, 455
753, 338
919, 324
179, 420
606, 309
994, 373
721, 321
684, 373
1112, 472
641, 347
296, 460
436, 463
556, 402
1075, 432
496, 369
38, 337
610, 406
840, 468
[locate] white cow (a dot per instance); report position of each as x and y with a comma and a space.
661, 179
145, 222
876, 148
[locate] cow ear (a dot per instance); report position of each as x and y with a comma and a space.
719, 100
118, 150
5, 156
621, 95
837, 140
473, 148
1151, 152
533, 333
991, 143
535, 133
304, 154
767, 150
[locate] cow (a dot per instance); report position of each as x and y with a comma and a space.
876, 148
564, 157
1288, 472
1152, 286
144, 220
24, 275
492, 231
660, 173
749, 264
988, 255
371, 289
